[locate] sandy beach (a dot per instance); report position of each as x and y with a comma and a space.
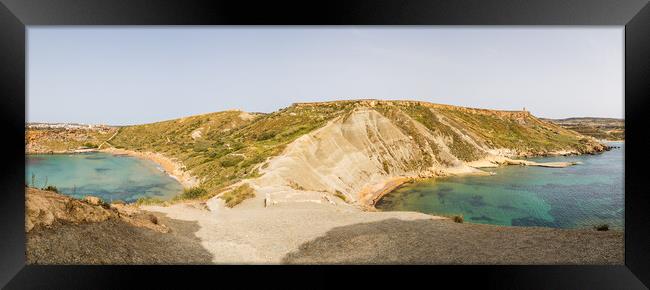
171, 167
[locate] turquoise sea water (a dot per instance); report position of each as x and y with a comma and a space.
108, 176
578, 196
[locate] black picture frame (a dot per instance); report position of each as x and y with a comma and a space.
15, 15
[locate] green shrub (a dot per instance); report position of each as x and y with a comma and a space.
213, 154
230, 160
90, 145
51, 188
194, 192
255, 173
601, 227
201, 146
104, 204
295, 185
153, 219
341, 196
147, 200
253, 160
384, 164
266, 135
237, 195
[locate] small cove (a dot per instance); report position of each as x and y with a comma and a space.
107, 176
579, 196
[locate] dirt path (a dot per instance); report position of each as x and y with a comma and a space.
109, 139
323, 233
258, 235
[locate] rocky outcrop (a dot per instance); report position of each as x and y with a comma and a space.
48, 209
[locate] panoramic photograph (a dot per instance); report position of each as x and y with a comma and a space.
325, 145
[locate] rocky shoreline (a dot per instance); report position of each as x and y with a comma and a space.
375, 192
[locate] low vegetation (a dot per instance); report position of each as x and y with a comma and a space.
153, 219
147, 200
341, 196
225, 147
601, 227
104, 204
458, 146
51, 188
61, 140
192, 193
599, 128
521, 132
237, 195
296, 186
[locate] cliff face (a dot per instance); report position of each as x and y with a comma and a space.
378, 141
349, 153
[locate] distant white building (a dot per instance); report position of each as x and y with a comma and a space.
64, 126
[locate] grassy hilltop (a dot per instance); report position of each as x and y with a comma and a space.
230, 144
225, 147
600, 128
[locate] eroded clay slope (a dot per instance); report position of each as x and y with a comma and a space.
359, 155
354, 153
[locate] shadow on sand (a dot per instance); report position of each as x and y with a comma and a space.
395, 241
116, 242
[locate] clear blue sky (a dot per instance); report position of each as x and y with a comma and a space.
133, 75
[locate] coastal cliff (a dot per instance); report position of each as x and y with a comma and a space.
343, 150
377, 145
